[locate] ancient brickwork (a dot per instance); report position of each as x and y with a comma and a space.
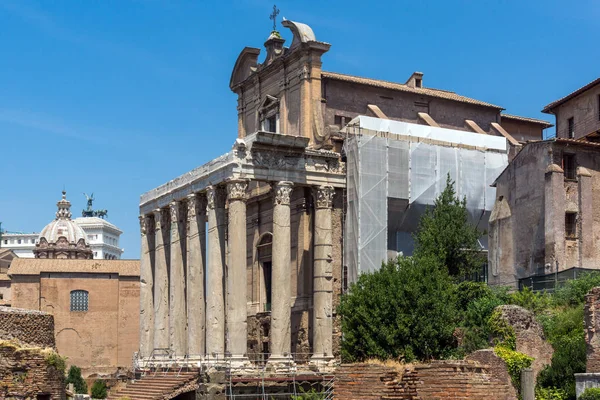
592, 321
438, 380
25, 373
32, 327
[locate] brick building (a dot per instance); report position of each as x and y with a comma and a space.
548, 199
95, 304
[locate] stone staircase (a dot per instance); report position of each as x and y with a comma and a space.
159, 385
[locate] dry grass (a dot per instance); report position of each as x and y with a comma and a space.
397, 365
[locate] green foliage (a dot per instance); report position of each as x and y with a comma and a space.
476, 318
312, 394
99, 390
406, 310
534, 302
76, 379
550, 394
573, 292
503, 334
445, 234
590, 394
59, 363
469, 291
515, 362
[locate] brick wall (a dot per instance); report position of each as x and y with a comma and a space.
35, 328
592, 321
438, 380
24, 373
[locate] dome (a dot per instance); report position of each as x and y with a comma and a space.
63, 237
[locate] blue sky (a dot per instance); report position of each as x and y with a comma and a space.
117, 97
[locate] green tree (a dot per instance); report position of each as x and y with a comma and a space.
445, 233
76, 379
99, 389
406, 310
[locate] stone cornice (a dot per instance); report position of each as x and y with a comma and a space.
261, 156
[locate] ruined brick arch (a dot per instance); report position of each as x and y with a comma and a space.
262, 256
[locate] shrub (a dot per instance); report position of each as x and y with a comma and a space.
99, 389
54, 359
476, 318
590, 394
567, 360
406, 310
573, 292
76, 379
503, 334
534, 302
550, 394
515, 362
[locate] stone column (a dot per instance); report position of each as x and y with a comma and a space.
215, 296
322, 278
280, 337
177, 308
196, 260
161, 282
236, 277
146, 287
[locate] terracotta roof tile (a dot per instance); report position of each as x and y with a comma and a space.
554, 104
33, 266
527, 119
442, 94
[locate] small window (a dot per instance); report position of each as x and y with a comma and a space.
271, 124
79, 300
5, 241
569, 166
418, 83
571, 128
570, 225
19, 241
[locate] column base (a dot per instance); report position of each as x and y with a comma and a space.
240, 363
322, 363
281, 363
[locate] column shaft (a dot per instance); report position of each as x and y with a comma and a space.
196, 260
146, 287
322, 275
177, 308
280, 276
236, 266
161, 282
215, 297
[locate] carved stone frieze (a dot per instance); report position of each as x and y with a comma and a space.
215, 197
282, 192
237, 190
324, 198
271, 159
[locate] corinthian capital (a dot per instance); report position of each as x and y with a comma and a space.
175, 212
237, 190
145, 224
195, 205
324, 198
215, 197
160, 219
283, 192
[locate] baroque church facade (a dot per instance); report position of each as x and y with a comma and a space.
244, 257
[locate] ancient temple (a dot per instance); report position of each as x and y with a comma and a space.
245, 257
62, 238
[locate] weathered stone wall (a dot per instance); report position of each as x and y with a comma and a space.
28, 326
584, 111
529, 334
592, 328
438, 380
25, 373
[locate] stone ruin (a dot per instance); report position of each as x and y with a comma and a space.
28, 358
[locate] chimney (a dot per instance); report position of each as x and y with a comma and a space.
415, 80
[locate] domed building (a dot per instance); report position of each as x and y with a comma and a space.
63, 238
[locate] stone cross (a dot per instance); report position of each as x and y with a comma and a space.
274, 17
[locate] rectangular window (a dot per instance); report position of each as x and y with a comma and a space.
79, 300
270, 124
569, 166
571, 225
571, 128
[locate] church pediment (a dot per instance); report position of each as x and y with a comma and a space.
245, 65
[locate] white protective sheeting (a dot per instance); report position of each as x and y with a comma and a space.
396, 169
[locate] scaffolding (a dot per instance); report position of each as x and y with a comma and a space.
395, 170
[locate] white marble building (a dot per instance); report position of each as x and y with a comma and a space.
102, 237
22, 244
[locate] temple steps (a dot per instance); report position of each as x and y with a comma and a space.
155, 386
